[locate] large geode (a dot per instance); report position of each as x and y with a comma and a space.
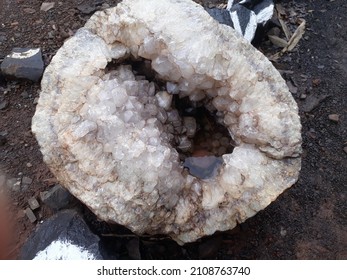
104, 140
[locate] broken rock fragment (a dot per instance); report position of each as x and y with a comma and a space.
23, 63
112, 138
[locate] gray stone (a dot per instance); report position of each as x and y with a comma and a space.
23, 63
33, 203
30, 214
57, 198
69, 229
86, 8
313, 101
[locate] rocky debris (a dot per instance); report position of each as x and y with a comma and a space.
26, 182
23, 63
334, 117
115, 153
30, 214
345, 149
87, 9
33, 203
312, 101
46, 6
64, 236
19, 184
57, 198
14, 184
292, 88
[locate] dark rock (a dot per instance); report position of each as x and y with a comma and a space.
312, 102
57, 198
220, 15
86, 8
23, 63
66, 226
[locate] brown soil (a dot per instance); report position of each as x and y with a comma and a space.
308, 221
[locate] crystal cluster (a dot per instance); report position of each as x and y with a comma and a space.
112, 136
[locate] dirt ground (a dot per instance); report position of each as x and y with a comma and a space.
308, 221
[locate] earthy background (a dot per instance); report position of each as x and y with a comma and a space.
308, 221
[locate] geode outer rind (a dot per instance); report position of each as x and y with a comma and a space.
100, 142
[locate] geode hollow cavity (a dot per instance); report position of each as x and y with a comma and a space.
106, 134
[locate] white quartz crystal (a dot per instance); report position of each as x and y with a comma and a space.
106, 134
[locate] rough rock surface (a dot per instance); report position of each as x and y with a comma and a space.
111, 149
65, 236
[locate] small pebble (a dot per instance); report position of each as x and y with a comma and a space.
25, 94
29, 164
303, 96
345, 149
334, 117
283, 232
30, 214
3, 105
33, 203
